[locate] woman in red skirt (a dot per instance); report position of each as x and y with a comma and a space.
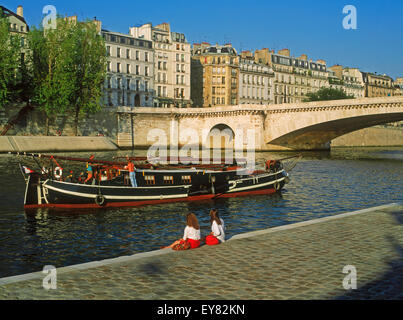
191, 236
217, 234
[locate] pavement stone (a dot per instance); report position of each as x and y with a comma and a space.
304, 262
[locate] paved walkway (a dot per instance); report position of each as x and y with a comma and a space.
300, 261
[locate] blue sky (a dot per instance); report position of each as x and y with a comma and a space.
310, 26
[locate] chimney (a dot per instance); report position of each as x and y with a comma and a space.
303, 57
20, 11
284, 52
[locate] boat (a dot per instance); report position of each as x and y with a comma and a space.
158, 181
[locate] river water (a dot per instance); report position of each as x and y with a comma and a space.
322, 184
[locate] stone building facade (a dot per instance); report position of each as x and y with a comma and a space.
294, 77
398, 87
255, 81
16, 19
215, 75
130, 71
378, 85
171, 64
353, 82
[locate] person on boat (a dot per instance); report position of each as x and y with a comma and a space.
217, 234
90, 173
132, 172
191, 235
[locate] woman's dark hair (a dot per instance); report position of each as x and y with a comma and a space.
214, 216
191, 221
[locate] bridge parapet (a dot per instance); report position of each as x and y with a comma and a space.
303, 126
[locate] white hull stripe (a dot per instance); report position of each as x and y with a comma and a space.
256, 186
93, 196
113, 187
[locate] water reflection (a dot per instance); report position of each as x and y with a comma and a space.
322, 184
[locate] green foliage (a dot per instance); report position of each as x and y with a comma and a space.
69, 68
10, 63
325, 94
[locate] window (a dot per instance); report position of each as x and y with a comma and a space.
187, 179
177, 79
118, 67
128, 53
137, 55
128, 68
146, 71
109, 66
137, 85
108, 50
146, 56
119, 83
137, 69
149, 180
118, 53
182, 79
146, 86
223, 80
168, 180
128, 84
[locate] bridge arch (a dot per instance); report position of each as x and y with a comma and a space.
221, 136
319, 135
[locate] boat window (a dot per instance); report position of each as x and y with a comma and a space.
168, 179
149, 180
187, 179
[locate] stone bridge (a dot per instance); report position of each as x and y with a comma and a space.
303, 126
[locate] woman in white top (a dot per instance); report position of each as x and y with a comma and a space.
191, 235
217, 234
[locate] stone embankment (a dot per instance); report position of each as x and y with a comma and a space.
54, 144
356, 255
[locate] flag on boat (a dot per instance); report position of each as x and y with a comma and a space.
27, 170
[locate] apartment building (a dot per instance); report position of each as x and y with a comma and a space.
255, 81
215, 75
171, 64
294, 77
378, 85
17, 21
398, 87
130, 70
350, 80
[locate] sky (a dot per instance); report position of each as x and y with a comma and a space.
312, 27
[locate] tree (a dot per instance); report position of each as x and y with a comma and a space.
69, 68
324, 94
10, 62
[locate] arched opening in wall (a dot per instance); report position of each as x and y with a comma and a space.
221, 141
137, 100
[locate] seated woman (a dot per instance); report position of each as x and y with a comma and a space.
191, 236
217, 234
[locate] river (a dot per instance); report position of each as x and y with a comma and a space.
322, 184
